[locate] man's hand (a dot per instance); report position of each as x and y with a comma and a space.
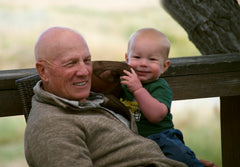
131, 80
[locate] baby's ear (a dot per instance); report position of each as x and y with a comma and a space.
166, 65
126, 58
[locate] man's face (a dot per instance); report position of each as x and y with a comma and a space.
69, 73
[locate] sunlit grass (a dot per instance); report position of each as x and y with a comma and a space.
11, 141
12, 128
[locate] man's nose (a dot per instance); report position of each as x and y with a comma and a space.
82, 69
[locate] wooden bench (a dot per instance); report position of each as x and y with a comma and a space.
189, 78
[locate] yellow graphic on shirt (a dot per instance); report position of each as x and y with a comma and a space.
133, 107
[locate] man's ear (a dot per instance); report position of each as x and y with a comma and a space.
40, 66
166, 65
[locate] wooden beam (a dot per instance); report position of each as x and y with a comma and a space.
10, 103
205, 85
230, 130
189, 78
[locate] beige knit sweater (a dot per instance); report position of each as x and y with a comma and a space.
61, 135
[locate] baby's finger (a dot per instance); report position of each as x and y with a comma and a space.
125, 82
133, 72
127, 72
124, 77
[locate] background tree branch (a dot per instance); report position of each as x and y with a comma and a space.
212, 25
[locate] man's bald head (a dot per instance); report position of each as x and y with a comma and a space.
52, 41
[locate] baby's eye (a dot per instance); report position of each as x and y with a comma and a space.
153, 59
136, 57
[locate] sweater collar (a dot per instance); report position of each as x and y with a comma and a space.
94, 100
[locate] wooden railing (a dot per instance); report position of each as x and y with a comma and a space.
190, 78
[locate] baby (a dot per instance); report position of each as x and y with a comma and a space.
149, 97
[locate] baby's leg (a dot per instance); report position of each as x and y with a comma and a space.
173, 147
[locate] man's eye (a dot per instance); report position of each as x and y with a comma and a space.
69, 64
87, 61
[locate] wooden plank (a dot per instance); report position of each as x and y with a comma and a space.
189, 78
183, 66
184, 87
8, 77
205, 85
230, 130
10, 103
203, 64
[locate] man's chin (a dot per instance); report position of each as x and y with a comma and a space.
83, 96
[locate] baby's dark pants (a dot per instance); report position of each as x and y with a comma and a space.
172, 145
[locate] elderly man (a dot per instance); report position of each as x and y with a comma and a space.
69, 126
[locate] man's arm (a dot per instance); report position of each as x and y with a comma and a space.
56, 143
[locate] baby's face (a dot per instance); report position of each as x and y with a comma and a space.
146, 57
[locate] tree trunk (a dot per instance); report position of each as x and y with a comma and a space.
212, 25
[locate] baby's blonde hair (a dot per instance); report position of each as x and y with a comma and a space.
150, 32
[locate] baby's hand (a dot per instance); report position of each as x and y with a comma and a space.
131, 80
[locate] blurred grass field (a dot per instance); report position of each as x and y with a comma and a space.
106, 26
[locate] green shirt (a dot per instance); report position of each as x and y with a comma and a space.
161, 91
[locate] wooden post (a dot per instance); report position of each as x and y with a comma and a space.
230, 130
